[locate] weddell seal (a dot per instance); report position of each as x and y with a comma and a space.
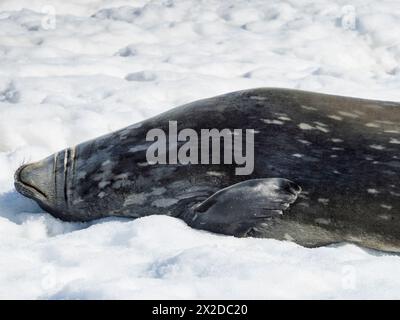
325, 169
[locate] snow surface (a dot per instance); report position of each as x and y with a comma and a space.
99, 65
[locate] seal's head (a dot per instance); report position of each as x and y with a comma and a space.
36, 181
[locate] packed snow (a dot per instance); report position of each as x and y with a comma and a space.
73, 70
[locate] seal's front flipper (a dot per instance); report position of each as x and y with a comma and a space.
239, 208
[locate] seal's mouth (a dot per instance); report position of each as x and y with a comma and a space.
25, 187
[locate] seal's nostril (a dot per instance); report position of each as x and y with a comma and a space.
36, 179
24, 176
17, 175
293, 187
296, 187
27, 174
28, 182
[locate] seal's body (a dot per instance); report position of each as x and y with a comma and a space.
336, 160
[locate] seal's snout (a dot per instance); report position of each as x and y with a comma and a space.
35, 180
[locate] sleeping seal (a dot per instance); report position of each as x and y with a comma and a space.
326, 170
